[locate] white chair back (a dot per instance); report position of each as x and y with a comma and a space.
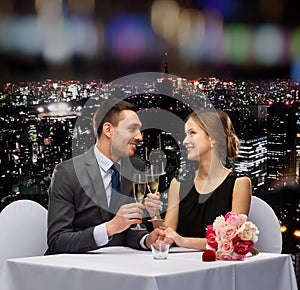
270, 237
23, 230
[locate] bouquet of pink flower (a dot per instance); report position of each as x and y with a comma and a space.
232, 236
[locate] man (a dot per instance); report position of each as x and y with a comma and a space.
81, 191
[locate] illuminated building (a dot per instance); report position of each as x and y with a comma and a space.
250, 125
281, 145
252, 160
297, 141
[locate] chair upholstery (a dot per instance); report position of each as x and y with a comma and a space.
23, 228
270, 237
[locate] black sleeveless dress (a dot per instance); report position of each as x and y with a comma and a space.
197, 211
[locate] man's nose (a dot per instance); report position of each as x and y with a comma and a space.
138, 136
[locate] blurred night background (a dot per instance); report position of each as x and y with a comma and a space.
243, 55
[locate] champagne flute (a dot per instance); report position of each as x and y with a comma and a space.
139, 189
153, 175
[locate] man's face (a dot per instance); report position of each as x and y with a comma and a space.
126, 135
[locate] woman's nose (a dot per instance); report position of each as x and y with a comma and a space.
185, 141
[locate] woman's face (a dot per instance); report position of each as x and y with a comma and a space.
196, 142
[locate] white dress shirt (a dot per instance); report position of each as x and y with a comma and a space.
100, 232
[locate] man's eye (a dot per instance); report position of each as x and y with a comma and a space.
132, 130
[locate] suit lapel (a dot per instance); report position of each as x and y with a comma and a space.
94, 186
98, 190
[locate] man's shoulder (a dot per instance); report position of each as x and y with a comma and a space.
76, 160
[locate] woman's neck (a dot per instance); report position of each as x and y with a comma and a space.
209, 176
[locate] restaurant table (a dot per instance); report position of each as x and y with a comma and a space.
128, 269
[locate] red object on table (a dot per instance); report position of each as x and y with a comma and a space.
209, 256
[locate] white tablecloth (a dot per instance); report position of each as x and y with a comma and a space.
128, 269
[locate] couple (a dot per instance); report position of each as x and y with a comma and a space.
79, 213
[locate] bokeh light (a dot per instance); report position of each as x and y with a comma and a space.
191, 36
49, 9
269, 45
198, 35
226, 8
295, 43
83, 32
165, 20
237, 43
214, 37
18, 34
81, 7
295, 69
128, 36
295, 53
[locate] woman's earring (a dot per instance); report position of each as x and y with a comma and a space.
211, 145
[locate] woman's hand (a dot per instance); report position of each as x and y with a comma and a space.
158, 234
170, 234
152, 203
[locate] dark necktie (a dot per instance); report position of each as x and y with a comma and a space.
115, 188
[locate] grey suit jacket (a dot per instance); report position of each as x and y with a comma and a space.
77, 203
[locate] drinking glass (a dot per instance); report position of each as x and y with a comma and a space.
153, 173
139, 188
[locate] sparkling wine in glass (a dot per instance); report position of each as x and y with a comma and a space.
153, 174
139, 184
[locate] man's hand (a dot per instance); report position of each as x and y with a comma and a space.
127, 215
157, 234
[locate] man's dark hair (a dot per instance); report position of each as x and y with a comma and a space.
109, 111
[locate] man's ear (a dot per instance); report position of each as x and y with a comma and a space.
108, 129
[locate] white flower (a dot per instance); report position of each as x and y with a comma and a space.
248, 232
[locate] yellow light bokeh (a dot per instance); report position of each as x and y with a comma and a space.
165, 19
297, 233
283, 228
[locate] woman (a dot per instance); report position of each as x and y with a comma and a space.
213, 190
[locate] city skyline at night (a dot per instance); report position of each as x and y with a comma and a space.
38, 120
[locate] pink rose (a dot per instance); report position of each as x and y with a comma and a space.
223, 256
228, 232
242, 247
225, 246
211, 237
235, 219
